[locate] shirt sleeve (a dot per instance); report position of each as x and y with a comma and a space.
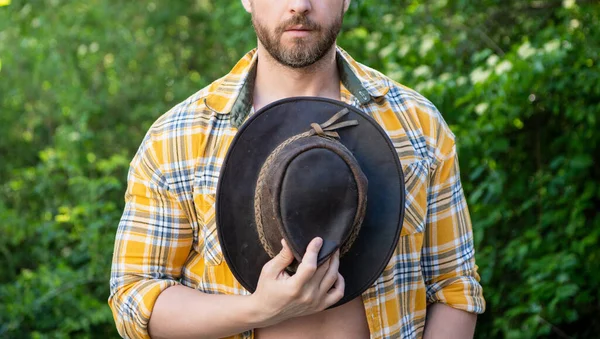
152, 242
448, 255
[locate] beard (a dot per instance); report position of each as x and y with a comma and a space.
304, 52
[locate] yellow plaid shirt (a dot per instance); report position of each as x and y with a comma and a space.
167, 233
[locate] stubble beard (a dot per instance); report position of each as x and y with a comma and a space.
304, 52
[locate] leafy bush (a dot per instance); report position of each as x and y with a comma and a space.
518, 81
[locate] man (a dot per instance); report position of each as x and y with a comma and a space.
169, 279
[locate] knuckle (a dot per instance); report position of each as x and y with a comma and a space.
307, 299
295, 293
312, 268
285, 256
266, 267
328, 281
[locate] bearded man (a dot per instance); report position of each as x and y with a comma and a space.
169, 279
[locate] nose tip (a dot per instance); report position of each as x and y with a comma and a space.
300, 6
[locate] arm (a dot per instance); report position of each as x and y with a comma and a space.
454, 294
440, 315
153, 241
181, 312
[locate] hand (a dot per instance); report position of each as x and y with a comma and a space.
312, 289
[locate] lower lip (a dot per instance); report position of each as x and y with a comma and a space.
298, 33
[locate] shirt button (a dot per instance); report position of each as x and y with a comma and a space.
363, 95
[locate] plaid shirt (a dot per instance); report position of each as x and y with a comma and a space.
167, 233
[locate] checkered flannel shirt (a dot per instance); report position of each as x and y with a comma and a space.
167, 233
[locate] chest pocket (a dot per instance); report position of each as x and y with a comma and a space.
205, 186
208, 238
416, 182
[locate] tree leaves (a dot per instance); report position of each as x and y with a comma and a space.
518, 82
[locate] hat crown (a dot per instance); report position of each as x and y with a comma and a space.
318, 198
312, 186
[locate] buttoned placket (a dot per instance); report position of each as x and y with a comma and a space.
353, 93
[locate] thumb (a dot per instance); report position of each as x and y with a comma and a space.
279, 262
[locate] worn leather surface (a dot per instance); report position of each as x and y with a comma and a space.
375, 155
313, 187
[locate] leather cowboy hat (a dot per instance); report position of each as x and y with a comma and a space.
304, 167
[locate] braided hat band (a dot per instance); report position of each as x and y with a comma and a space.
269, 223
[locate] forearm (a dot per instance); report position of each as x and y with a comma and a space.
182, 312
445, 322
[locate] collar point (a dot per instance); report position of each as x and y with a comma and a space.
212, 104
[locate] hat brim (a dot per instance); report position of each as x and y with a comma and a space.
253, 143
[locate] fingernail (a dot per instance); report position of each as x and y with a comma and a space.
318, 242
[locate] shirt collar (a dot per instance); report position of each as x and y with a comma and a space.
232, 94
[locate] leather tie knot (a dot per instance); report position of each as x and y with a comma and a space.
327, 129
317, 129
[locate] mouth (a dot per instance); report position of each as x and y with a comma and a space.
298, 28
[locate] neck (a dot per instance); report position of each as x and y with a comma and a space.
275, 81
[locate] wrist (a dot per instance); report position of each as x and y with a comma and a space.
256, 313
261, 315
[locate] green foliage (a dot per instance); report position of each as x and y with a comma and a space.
518, 81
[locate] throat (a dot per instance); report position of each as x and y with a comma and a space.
275, 81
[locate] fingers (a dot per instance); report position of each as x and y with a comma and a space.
315, 281
308, 266
282, 260
336, 293
331, 275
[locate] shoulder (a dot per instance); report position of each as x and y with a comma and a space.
193, 112
176, 138
419, 117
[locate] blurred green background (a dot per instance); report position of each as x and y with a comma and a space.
518, 82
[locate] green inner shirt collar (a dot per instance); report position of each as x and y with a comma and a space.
243, 103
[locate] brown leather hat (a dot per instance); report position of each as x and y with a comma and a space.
306, 167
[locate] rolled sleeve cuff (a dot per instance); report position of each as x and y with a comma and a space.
463, 293
132, 306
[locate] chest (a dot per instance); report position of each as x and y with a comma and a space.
406, 138
347, 321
